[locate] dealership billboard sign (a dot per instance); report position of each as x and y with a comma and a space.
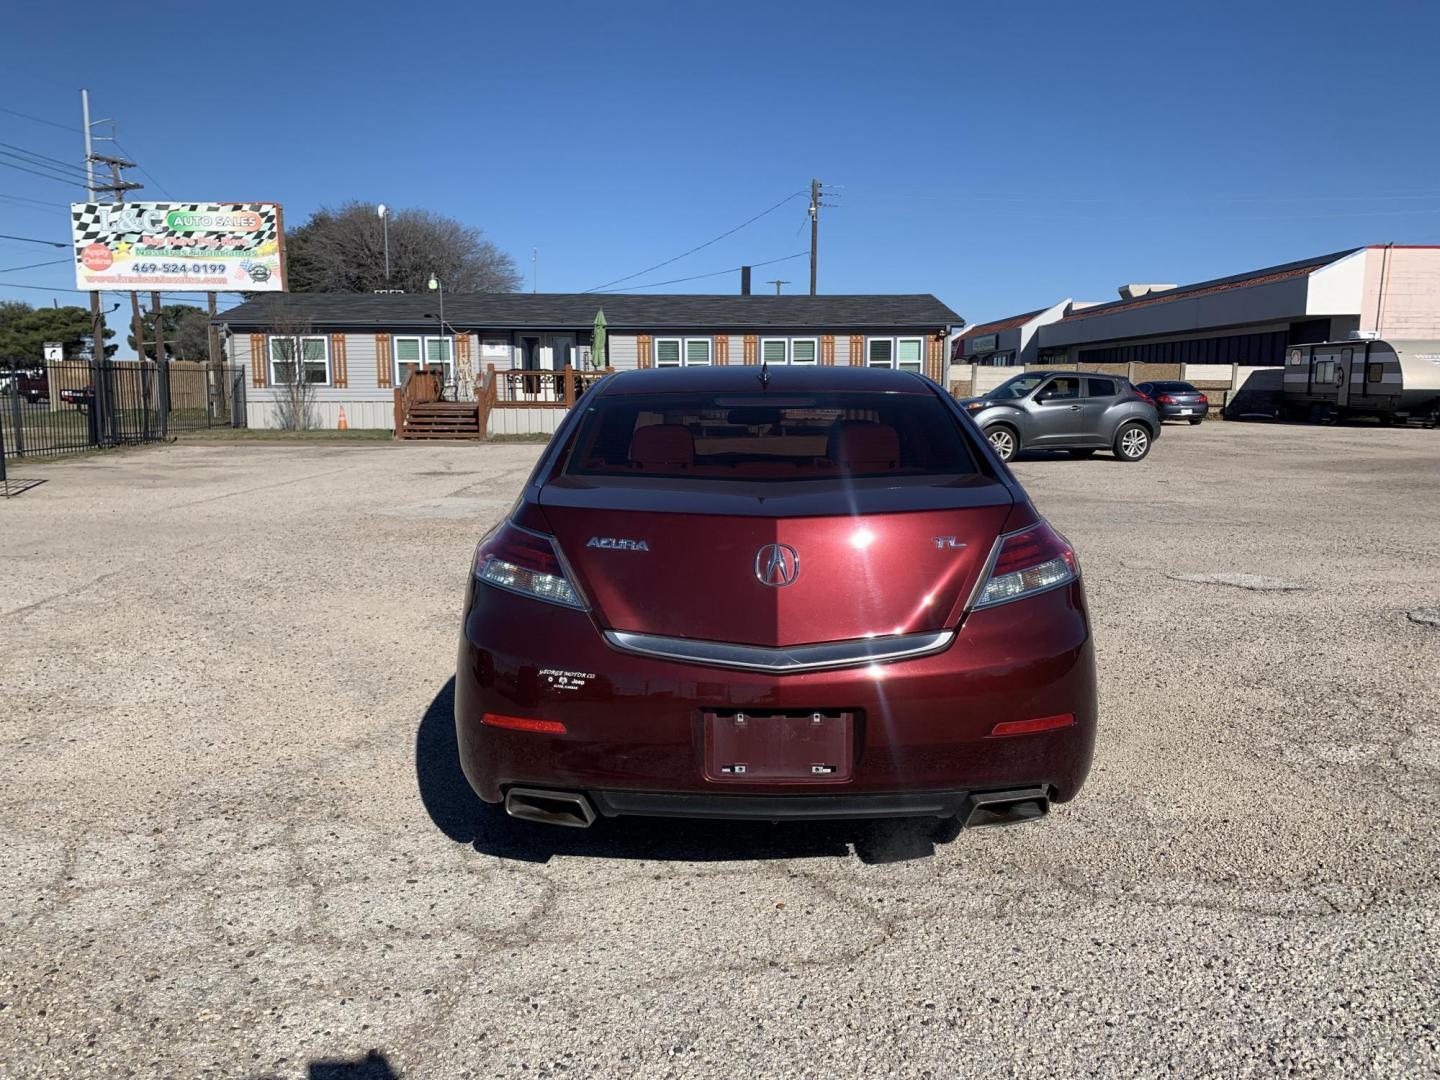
200, 247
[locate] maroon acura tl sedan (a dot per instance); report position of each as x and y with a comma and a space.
780, 593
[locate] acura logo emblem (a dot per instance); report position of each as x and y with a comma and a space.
777, 564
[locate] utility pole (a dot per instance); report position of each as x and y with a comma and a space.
97, 317
814, 230
117, 188
159, 320
777, 283
212, 335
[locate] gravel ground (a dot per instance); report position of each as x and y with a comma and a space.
237, 843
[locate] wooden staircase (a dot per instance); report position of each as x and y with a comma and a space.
442, 420
421, 414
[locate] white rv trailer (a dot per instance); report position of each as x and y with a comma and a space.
1391, 379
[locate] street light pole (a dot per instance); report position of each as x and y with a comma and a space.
385, 228
437, 286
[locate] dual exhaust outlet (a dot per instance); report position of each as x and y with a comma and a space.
574, 810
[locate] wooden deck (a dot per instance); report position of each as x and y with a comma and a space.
420, 413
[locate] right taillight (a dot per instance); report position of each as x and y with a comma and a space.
524, 562
1030, 561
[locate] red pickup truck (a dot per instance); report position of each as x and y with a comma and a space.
33, 386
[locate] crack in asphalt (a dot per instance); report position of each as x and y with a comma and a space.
85, 586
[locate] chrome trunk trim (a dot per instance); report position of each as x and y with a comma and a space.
828, 654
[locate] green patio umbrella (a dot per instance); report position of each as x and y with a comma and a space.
597, 340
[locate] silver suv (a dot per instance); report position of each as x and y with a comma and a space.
1066, 410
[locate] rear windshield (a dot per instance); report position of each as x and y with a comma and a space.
754, 436
1174, 387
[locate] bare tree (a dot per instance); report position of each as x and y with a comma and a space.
343, 250
297, 363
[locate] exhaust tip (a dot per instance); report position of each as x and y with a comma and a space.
1006, 807
568, 808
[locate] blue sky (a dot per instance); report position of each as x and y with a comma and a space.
1001, 156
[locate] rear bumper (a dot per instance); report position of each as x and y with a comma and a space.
940, 804
634, 738
1183, 412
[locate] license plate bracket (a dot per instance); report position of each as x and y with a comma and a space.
796, 747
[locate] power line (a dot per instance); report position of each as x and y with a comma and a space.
39, 162
67, 127
43, 160
60, 288
697, 247
960, 197
38, 202
32, 266
143, 171
38, 120
35, 172
32, 240
42, 288
713, 273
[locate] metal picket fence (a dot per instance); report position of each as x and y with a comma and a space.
75, 405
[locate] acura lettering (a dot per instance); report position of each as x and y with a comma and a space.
616, 543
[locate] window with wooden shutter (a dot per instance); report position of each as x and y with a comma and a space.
339, 362
306, 358
384, 377
258, 361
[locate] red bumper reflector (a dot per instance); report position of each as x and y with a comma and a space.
523, 723
1041, 723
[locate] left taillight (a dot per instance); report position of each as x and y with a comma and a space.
1030, 561
525, 562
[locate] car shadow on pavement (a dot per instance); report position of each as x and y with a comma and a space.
461, 815
1060, 455
373, 1066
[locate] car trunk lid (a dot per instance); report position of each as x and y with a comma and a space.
776, 564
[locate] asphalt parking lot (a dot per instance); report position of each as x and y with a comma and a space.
237, 843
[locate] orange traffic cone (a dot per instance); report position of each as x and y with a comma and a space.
342, 425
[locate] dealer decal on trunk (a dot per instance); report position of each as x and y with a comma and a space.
556, 679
